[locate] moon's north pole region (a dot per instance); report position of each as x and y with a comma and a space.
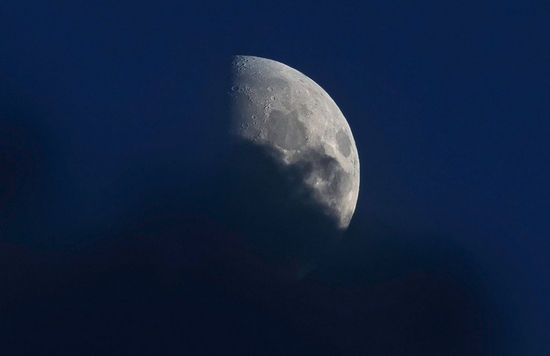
277, 106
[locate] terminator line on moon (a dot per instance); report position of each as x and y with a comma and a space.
278, 106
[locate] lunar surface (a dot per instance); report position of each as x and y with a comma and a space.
276, 106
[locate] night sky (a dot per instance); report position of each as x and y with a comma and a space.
113, 174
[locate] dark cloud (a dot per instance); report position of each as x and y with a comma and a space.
202, 257
191, 270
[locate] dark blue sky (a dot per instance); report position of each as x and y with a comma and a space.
448, 103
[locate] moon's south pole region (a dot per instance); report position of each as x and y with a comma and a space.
279, 108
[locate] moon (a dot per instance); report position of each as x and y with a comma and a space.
276, 106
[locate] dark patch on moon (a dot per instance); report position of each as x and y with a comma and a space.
335, 182
340, 183
285, 130
334, 175
344, 143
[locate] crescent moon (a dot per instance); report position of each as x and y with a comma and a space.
277, 106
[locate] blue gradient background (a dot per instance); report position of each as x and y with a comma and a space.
448, 102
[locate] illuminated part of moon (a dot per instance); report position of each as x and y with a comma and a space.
277, 106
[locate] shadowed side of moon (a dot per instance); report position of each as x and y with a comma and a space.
269, 202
